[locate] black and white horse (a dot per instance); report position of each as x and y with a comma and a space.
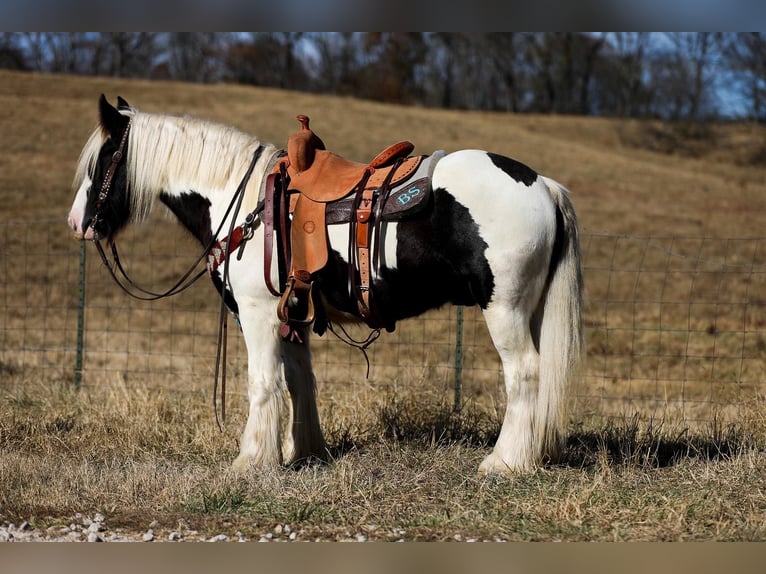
495, 234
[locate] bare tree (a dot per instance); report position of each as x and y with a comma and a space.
683, 76
336, 62
294, 76
49, 51
565, 63
442, 66
11, 54
505, 50
268, 59
633, 74
196, 56
622, 90
456, 82
392, 67
745, 53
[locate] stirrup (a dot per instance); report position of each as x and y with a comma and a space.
300, 289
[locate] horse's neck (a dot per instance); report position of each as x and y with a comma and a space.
193, 212
206, 211
195, 168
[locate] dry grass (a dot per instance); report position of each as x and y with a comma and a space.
139, 444
148, 458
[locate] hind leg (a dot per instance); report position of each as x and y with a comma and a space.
515, 447
305, 442
278, 430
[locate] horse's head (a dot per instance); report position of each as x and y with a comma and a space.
101, 206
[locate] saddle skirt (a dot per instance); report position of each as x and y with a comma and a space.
332, 177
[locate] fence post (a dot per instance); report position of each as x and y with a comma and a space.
458, 359
80, 318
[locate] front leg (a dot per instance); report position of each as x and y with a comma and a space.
261, 442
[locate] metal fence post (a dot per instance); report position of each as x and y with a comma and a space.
458, 359
80, 318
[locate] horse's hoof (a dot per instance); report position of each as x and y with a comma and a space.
241, 465
493, 465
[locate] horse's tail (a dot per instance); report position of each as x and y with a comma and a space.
561, 343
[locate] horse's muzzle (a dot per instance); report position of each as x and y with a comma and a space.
82, 231
75, 227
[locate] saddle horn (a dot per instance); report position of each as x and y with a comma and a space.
302, 146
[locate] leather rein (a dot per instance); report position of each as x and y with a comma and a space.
116, 269
215, 252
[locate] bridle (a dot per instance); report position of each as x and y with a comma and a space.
116, 269
106, 184
123, 280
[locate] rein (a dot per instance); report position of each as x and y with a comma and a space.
187, 280
126, 283
223, 318
214, 259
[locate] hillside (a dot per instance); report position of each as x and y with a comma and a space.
133, 453
626, 176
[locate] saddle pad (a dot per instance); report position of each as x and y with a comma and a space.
406, 198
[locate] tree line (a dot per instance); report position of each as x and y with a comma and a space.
696, 76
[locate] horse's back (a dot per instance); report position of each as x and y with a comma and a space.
509, 201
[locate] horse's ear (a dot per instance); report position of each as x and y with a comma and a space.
112, 121
122, 103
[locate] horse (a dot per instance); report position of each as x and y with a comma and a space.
494, 233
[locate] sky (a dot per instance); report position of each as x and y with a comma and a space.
424, 15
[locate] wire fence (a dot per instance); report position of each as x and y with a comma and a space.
675, 327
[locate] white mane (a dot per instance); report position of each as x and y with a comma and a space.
174, 153
88, 156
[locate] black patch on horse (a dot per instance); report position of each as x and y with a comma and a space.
439, 259
193, 211
517, 170
114, 212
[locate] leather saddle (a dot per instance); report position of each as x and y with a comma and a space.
312, 188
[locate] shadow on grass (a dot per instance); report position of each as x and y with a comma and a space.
624, 442
423, 423
636, 442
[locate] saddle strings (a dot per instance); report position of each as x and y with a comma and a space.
362, 345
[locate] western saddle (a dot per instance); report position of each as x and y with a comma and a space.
312, 188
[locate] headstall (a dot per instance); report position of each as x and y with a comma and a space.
106, 185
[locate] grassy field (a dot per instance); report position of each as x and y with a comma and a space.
145, 452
